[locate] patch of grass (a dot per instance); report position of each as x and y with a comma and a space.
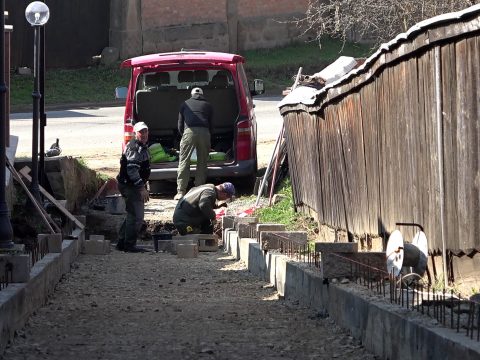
279, 66
283, 213
96, 84
90, 85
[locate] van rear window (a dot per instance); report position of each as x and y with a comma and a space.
186, 79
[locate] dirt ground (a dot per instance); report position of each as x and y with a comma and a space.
156, 306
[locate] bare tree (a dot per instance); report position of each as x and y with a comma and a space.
375, 21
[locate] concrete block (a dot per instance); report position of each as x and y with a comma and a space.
247, 231
21, 265
207, 242
54, 242
346, 264
96, 237
228, 221
187, 251
336, 247
244, 220
268, 227
96, 247
271, 240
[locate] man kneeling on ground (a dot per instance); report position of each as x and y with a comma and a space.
194, 212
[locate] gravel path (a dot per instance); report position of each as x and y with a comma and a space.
155, 306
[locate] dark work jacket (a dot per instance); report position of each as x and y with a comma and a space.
195, 112
196, 206
134, 164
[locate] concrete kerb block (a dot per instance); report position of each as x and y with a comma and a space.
78, 235
96, 245
247, 230
272, 240
54, 242
187, 251
228, 221
336, 247
21, 266
268, 227
226, 239
244, 220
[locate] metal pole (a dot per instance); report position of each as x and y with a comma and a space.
36, 113
43, 116
6, 231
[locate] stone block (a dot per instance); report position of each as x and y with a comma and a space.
360, 264
268, 227
109, 55
96, 247
206, 242
187, 251
228, 221
272, 240
21, 265
54, 242
336, 247
244, 220
247, 231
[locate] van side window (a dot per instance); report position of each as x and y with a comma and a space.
244, 82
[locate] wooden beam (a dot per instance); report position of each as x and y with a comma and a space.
54, 201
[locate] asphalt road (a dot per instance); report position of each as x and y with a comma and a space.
87, 130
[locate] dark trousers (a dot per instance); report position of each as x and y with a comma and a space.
133, 222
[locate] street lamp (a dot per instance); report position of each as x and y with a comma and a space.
6, 231
37, 14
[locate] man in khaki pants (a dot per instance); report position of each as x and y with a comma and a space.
195, 126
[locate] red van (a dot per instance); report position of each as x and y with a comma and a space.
160, 83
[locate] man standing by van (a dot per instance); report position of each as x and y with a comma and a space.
132, 183
195, 126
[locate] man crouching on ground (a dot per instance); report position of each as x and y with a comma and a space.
194, 212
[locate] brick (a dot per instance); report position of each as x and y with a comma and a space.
21, 266
187, 251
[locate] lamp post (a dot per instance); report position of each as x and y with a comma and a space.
37, 14
43, 116
6, 231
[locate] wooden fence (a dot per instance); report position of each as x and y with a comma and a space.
365, 155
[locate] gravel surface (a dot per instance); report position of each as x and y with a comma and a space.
154, 305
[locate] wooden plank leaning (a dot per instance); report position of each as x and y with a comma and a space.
54, 201
43, 214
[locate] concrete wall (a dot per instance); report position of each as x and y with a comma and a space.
148, 26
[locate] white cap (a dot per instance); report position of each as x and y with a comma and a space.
197, 91
140, 126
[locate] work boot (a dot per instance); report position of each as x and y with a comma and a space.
179, 195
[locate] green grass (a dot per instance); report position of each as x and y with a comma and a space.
85, 85
279, 66
96, 84
283, 213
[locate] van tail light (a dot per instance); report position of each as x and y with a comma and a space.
244, 140
128, 133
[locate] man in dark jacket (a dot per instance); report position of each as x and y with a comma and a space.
195, 126
132, 183
194, 212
